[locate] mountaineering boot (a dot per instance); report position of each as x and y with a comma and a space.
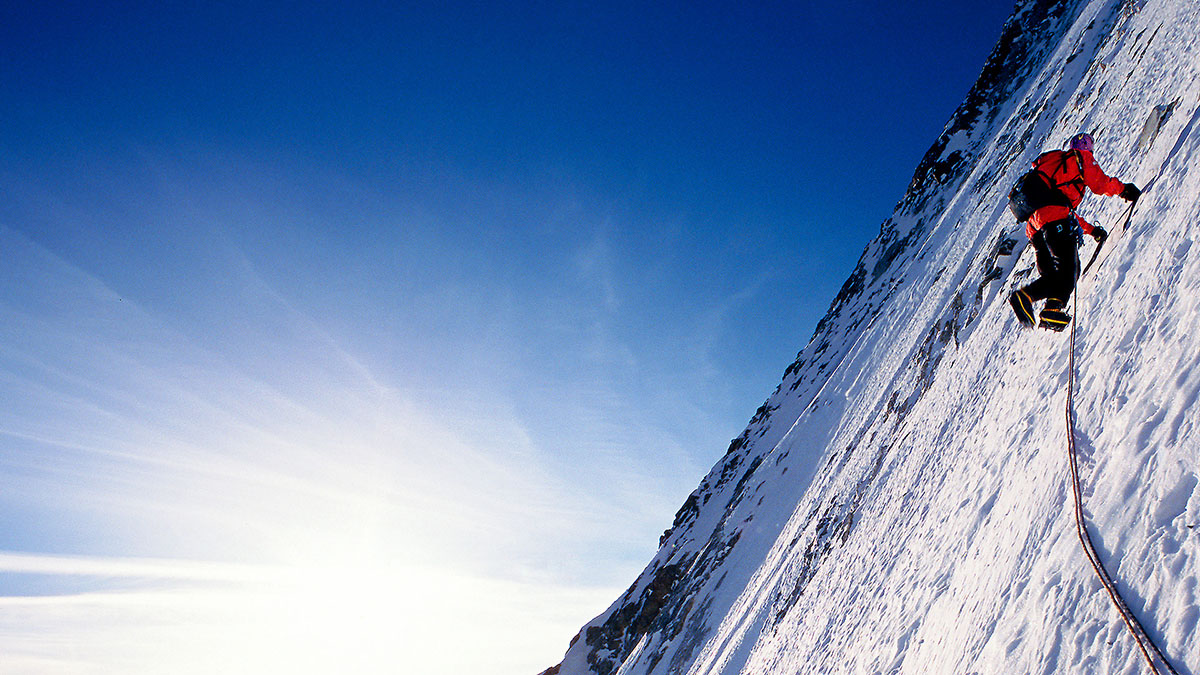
1022, 305
1054, 317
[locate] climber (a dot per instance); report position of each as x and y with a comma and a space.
1056, 230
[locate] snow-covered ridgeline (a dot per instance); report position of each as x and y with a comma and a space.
899, 504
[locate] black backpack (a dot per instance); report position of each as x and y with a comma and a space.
1034, 189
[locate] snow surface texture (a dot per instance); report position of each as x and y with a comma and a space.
901, 503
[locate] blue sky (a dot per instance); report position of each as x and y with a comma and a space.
468, 291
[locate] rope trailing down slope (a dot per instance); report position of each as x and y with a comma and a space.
1145, 644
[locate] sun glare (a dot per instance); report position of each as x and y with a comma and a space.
354, 617
357, 616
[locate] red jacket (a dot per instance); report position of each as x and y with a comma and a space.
1077, 169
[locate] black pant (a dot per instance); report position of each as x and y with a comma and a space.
1057, 247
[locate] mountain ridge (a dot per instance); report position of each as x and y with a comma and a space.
838, 468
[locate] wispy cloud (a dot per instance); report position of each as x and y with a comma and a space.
140, 568
174, 444
226, 411
596, 268
188, 616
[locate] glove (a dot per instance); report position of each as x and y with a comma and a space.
1130, 193
1099, 234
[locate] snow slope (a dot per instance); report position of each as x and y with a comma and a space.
900, 504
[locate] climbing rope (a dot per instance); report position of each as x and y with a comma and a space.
1145, 644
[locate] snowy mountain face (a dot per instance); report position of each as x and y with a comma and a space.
902, 502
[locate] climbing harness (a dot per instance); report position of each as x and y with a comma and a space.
1145, 643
